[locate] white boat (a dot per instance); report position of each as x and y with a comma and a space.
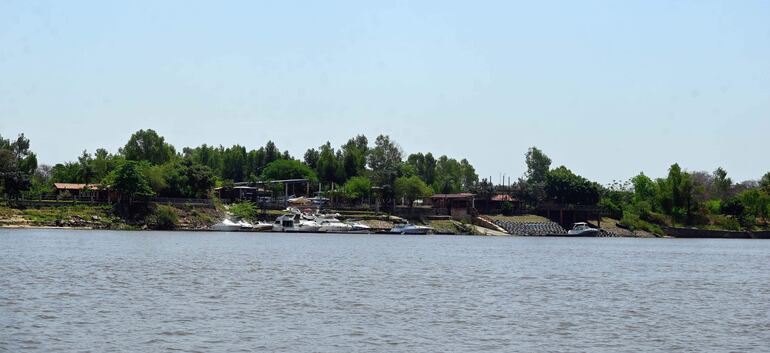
582, 229
255, 227
356, 227
226, 225
332, 225
408, 228
295, 223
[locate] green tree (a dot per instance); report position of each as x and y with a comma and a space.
353, 156
564, 186
66, 173
469, 178
129, 180
272, 153
328, 167
17, 165
384, 160
644, 189
764, 183
288, 169
311, 158
756, 203
234, 163
357, 187
411, 188
538, 165
721, 183
147, 145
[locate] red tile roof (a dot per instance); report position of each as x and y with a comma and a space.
463, 195
73, 186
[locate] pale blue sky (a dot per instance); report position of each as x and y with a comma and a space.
608, 88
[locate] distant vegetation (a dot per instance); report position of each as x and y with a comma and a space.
358, 171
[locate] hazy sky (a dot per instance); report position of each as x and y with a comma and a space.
608, 88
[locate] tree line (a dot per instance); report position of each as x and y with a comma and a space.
148, 165
357, 170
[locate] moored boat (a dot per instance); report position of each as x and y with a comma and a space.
582, 229
409, 228
294, 223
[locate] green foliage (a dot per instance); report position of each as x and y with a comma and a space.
354, 154
764, 183
17, 165
288, 169
129, 180
726, 222
506, 208
357, 187
721, 183
329, 169
244, 210
733, 206
644, 188
162, 217
384, 160
538, 165
234, 163
634, 222
411, 188
147, 145
713, 207
566, 187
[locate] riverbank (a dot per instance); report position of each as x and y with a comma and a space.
81, 216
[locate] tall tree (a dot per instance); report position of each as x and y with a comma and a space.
721, 182
271, 152
384, 160
411, 188
327, 167
17, 165
538, 165
129, 180
566, 187
353, 157
147, 145
311, 158
288, 169
765, 182
234, 163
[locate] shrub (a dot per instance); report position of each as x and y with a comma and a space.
244, 210
726, 222
162, 217
714, 207
614, 210
507, 208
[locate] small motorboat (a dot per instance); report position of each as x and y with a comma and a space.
294, 223
332, 225
255, 227
226, 225
409, 228
582, 229
360, 228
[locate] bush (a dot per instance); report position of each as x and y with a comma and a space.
714, 207
614, 210
726, 222
507, 208
244, 210
163, 217
633, 222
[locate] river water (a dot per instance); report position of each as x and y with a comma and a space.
106, 291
